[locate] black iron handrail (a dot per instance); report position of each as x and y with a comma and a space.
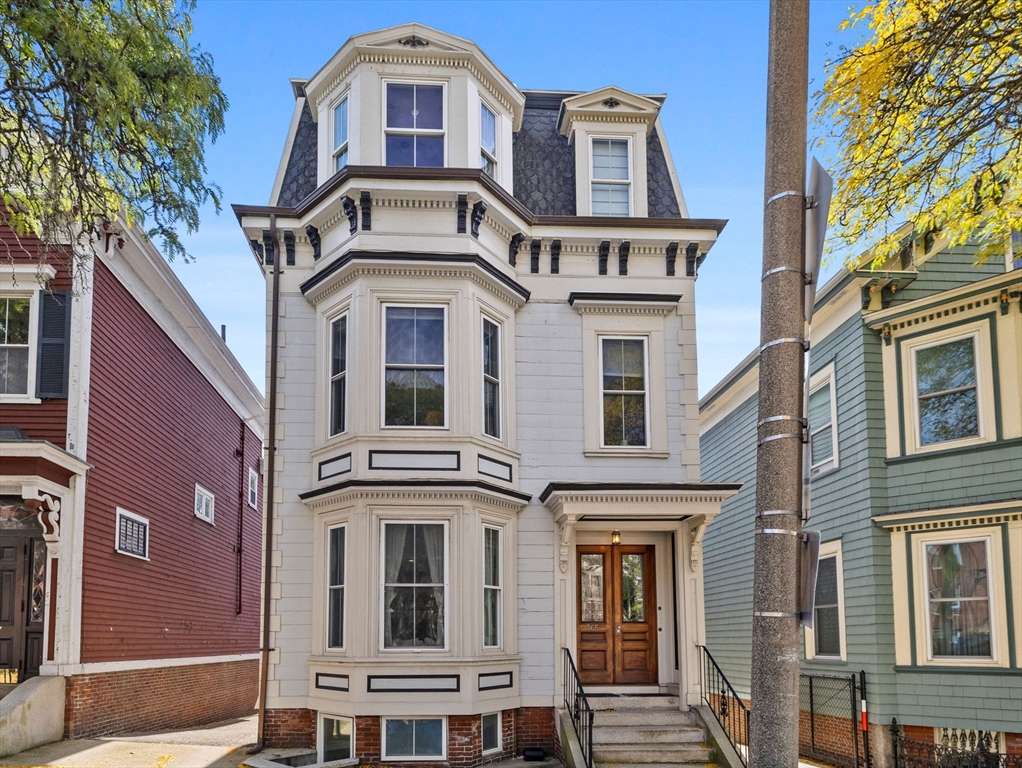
726, 705
578, 708
911, 753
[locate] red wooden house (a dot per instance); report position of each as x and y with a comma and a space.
130, 493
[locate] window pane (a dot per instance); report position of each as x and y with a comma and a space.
624, 420
400, 150
336, 739
337, 396
341, 124
948, 417
491, 557
399, 735
414, 554
429, 105
14, 321
819, 407
489, 167
336, 574
958, 599
400, 105
491, 609
336, 618
592, 588
429, 151
610, 159
429, 398
945, 367
957, 570
491, 408
822, 445
488, 130
14, 371
429, 336
491, 342
624, 364
429, 554
610, 200
827, 631
491, 732
960, 628
633, 607
826, 582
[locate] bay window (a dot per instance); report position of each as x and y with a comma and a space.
492, 587
611, 178
488, 141
415, 362
491, 378
414, 585
338, 374
958, 598
341, 135
414, 134
625, 406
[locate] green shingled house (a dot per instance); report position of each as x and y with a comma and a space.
915, 422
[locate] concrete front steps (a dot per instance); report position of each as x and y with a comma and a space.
646, 731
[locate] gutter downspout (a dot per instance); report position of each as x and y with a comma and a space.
271, 455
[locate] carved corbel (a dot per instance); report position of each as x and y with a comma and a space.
478, 212
512, 249
314, 240
604, 254
696, 552
348, 206
48, 509
289, 246
567, 533
555, 257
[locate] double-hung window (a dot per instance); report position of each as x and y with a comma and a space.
958, 598
415, 125
253, 488
414, 585
625, 403
15, 314
611, 179
338, 374
491, 378
488, 141
204, 504
827, 611
492, 587
946, 391
335, 588
822, 435
415, 362
341, 135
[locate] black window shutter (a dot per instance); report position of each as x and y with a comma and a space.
54, 344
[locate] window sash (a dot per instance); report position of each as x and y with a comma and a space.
204, 504
253, 488
948, 405
491, 378
15, 345
623, 395
415, 133
426, 590
488, 140
493, 602
941, 609
341, 134
827, 611
335, 577
424, 376
412, 734
343, 733
338, 375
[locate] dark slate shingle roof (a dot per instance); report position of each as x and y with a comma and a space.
300, 175
663, 204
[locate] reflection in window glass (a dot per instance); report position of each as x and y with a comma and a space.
827, 619
624, 392
14, 325
341, 135
414, 390
491, 378
958, 599
821, 431
337, 741
633, 604
338, 373
592, 588
335, 590
414, 593
415, 123
488, 141
414, 738
946, 388
491, 732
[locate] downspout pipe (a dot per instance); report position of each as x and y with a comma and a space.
268, 486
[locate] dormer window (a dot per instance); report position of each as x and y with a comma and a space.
415, 125
341, 135
611, 178
488, 141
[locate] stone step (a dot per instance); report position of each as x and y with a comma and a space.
704, 764
662, 755
651, 736
648, 717
605, 701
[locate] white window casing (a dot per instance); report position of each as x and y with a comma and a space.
823, 423
492, 336
19, 343
253, 488
492, 738
831, 552
336, 580
338, 372
626, 391
340, 117
418, 138
394, 581
610, 174
336, 737
204, 501
131, 534
493, 586
397, 360
488, 140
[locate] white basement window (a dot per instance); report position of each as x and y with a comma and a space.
421, 738
203, 504
337, 738
491, 733
132, 534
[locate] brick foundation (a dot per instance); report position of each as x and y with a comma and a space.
520, 728
163, 698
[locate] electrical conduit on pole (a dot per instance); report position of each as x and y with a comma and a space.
773, 738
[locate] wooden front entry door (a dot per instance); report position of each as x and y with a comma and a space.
22, 600
617, 615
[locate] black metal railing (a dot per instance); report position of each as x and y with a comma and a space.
578, 708
912, 753
726, 705
831, 728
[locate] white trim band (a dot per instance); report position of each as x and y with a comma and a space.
97, 667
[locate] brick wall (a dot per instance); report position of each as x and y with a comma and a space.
163, 698
290, 728
536, 728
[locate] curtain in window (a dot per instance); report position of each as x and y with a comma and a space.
414, 590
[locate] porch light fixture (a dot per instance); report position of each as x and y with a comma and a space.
615, 537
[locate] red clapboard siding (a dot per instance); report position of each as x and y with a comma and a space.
156, 427
46, 420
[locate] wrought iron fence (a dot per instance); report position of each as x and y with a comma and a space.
726, 705
831, 729
912, 753
578, 708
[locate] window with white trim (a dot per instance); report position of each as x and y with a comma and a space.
415, 358
203, 504
16, 374
341, 134
414, 132
338, 375
946, 391
611, 178
335, 586
491, 378
822, 424
414, 585
420, 737
132, 534
253, 488
488, 141
958, 598
625, 406
491, 732
492, 587
826, 639
336, 738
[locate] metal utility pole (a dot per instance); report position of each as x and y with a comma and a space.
773, 737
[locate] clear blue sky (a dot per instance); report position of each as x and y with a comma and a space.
708, 57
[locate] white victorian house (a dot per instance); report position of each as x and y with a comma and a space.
487, 438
